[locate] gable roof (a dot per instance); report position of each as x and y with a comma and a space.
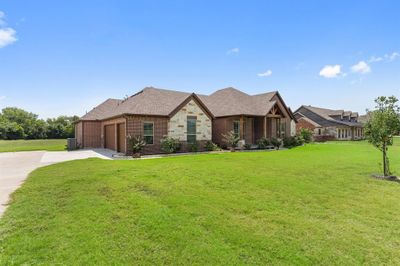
231, 102
327, 115
103, 110
149, 101
161, 102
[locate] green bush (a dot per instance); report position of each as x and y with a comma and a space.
247, 146
135, 143
211, 146
276, 143
263, 143
170, 145
294, 141
306, 134
193, 147
231, 139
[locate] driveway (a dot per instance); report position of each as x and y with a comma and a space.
15, 166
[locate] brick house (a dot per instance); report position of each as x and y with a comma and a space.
250, 116
335, 124
154, 113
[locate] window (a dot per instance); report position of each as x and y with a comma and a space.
342, 133
191, 129
236, 128
338, 133
319, 131
148, 132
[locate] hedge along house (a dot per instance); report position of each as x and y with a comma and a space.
329, 124
152, 114
251, 117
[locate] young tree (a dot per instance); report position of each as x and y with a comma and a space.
382, 125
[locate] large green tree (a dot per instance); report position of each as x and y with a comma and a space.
61, 127
382, 125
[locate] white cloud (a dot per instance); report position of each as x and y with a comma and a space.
374, 59
265, 74
330, 71
233, 51
392, 56
361, 67
7, 36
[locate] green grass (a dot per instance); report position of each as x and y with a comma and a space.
310, 205
33, 145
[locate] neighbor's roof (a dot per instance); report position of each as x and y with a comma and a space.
230, 101
328, 113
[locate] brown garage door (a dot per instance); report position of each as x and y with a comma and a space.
121, 137
109, 132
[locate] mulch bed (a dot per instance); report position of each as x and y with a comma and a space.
388, 178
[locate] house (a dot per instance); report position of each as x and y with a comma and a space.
151, 113
329, 124
154, 113
251, 117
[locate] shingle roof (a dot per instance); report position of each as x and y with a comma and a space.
103, 110
230, 101
328, 113
154, 101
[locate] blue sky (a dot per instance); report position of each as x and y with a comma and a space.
65, 57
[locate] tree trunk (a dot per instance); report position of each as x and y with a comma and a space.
386, 171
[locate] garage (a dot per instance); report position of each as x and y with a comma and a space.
121, 137
109, 137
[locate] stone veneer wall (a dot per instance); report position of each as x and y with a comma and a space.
177, 125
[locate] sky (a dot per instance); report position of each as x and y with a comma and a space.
65, 57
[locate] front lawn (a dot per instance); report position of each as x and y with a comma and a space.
33, 145
310, 205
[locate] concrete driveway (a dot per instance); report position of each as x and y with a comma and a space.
15, 166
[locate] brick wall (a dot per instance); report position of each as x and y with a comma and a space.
302, 123
134, 127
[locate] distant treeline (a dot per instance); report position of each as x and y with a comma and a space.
17, 123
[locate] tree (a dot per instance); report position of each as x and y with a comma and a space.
231, 139
61, 127
382, 125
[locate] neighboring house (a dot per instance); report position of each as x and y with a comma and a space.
251, 117
337, 124
154, 113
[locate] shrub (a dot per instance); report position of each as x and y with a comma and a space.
135, 143
276, 143
263, 143
247, 146
306, 134
194, 147
323, 138
294, 141
211, 146
289, 142
170, 145
231, 139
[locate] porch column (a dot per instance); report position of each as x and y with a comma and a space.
241, 127
265, 126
